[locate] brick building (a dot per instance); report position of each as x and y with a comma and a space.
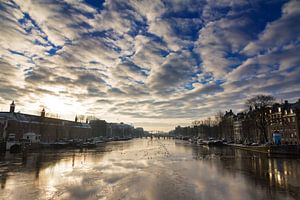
226, 126
238, 127
285, 119
50, 129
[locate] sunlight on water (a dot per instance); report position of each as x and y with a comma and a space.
148, 169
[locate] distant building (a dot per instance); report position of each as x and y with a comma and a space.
238, 127
139, 132
280, 118
256, 125
99, 128
50, 129
119, 130
226, 126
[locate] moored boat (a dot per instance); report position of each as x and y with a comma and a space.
212, 142
31, 141
12, 145
200, 142
59, 144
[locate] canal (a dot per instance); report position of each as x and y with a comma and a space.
149, 169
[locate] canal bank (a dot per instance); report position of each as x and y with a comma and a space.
289, 150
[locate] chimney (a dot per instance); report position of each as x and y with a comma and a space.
286, 102
43, 113
12, 107
250, 108
76, 119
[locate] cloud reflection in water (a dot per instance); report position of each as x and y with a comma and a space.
158, 169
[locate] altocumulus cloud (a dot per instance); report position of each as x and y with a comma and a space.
164, 61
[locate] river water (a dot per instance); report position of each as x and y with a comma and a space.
148, 169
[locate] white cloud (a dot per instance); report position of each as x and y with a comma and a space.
139, 61
286, 30
173, 73
217, 40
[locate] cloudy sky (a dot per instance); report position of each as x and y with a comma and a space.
153, 63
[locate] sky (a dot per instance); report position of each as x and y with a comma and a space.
153, 63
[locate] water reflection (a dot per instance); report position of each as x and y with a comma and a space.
271, 174
148, 169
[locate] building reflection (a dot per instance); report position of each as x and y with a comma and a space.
268, 172
45, 166
49, 166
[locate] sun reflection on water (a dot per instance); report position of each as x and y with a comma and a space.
145, 169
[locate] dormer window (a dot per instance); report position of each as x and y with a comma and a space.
291, 111
279, 109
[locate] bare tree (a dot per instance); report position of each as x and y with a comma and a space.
52, 115
260, 101
196, 123
261, 104
219, 121
91, 118
81, 118
219, 115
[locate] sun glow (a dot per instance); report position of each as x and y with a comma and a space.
57, 106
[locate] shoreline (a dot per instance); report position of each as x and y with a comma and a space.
291, 150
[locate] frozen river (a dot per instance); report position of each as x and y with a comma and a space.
148, 169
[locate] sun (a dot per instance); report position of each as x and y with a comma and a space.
64, 107
54, 104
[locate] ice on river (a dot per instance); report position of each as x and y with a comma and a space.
148, 169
